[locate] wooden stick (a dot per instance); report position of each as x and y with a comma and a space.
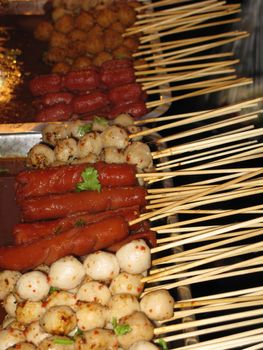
255, 347
162, 3
152, 37
219, 87
208, 321
215, 329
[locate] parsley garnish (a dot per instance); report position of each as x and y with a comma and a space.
102, 121
53, 289
162, 344
80, 223
63, 341
78, 332
90, 181
84, 129
120, 329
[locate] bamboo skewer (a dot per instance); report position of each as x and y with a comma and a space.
255, 347
160, 3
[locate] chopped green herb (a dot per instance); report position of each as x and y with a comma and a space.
53, 289
80, 223
162, 344
90, 181
120, 329
84, 129
100, 120
63, 341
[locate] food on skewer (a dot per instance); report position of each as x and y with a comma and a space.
95, 295
109, 91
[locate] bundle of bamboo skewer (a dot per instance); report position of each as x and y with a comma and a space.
222, 227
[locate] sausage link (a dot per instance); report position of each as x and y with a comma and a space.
135, 109
43, 84
54, 98
82, 80
90, 102
33, 183
77, 241
116, 64
29, 232
117, 77
58, 112
61, 205
125, 93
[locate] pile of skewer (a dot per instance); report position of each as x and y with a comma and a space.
221, 231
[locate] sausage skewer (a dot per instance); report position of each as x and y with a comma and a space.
76, 241
33, 183
61, 205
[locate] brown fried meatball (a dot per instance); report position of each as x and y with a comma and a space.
122, 52
43, 31
118, 27
101, 57
77, 34
58, 40
65, 24
94, 44
54, 55
81, 63
112, 39
61, 68
84, 21
58, 12
76, 49
131, 43
126, 15
95, 31
106, 17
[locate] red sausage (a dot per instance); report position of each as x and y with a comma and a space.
90, 102
27, 233
33, 183
44, 84
77, 241
82, 80
148, 236
61, 205
116, 64
135, 109
58, 112
117, 77
54, 98
125, 93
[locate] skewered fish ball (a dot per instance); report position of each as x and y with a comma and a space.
113, 155
90, 316
123, 120
141, 329
65, 24
158, 305
139, 153
94, 291
66, 150
127, 283
10, 337
59, 320
33, 286
121, 305
105, 17
35, 334
59, 40
84, 21
134, 257
114, 136
43, 31
101, 266
29, 311
90, 143
52, 133
97, 339
8, 281
66, 273
61, 297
